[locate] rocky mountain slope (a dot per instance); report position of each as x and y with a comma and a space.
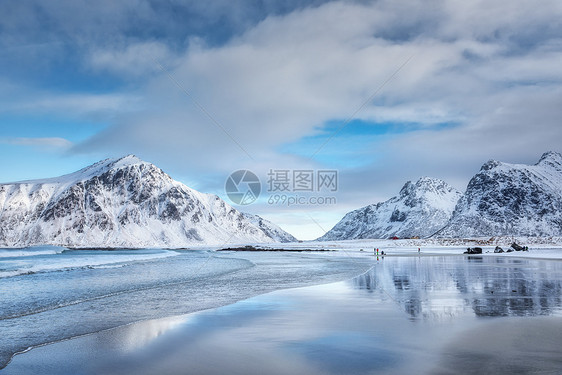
502, 199
122, 202
511, 200
419, 210
270, 229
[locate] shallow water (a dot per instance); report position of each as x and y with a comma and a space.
427, 315
47, 294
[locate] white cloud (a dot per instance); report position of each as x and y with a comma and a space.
131, 59
51, 143
490, 68
29, 100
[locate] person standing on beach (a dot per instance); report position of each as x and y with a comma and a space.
418, 250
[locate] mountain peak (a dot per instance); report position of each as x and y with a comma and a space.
420, 209
407, 189
119, 162
506, 199
122, 202
425, 185
129, 159
108, 164
96, 169
426, 180
551, 158
490, 164
431, 183
126, 161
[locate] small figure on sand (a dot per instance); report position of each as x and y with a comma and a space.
419, 250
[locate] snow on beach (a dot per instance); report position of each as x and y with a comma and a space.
543, 248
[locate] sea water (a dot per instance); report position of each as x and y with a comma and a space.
48, 294
423, 315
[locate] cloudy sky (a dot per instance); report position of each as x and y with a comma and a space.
381, 91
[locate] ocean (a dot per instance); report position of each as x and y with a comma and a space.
49, 294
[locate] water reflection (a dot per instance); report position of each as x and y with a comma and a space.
347, 328
134, 336
441, 287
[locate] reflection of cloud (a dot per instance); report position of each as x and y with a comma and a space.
507, 346
345, 352
140, 334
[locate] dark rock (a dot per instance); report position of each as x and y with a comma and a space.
473, 250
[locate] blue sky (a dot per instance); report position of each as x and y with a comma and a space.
382, 91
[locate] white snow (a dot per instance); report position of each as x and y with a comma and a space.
122, 202
540, 248
511, 199
269, 228
419, 210
501, 199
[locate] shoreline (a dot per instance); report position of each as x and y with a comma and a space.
340, 257
172, 317
208, 280
484, 241
191, 330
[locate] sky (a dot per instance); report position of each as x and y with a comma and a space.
381, 92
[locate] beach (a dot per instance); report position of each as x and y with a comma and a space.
52, 294
441, 314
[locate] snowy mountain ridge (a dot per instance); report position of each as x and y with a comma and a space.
502, 199
270, 229
123, 202
419, 210
505, 199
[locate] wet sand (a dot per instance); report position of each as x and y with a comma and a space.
442, 315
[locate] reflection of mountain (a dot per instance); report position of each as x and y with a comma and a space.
512, 287
442, 287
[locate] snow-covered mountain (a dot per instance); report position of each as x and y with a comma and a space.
270, 229
122, 202
511, 200
419, 210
